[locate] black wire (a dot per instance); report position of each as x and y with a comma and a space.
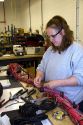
31, 120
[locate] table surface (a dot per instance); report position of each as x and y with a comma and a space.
5, 60
12, 56
65, 121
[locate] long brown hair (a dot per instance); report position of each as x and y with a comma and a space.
60, 23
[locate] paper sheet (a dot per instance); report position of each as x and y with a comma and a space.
3, 73
14, 104
46, 122
4, 120
5, 83
6, 95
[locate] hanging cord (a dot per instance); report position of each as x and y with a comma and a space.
77, 20
4, 15
14, 11
42, 17
11, 6
30, 17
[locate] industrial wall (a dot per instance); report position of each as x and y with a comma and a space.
18, 12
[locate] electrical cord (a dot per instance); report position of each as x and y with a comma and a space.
28, 112
29, 120
28, 109
48, 105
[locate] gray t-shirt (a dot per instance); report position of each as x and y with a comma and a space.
61, 66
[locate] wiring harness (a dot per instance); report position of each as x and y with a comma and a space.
66, 104
19, 73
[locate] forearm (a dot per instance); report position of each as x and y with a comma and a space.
72, 81
40, 74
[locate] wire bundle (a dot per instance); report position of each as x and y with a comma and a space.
28, 112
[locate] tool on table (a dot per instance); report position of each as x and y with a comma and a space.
38, 100
31, 92
1, 102
28, 97
15, 96
34, 100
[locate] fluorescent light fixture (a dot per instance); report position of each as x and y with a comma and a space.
1, 0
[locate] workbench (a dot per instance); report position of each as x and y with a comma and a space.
5, 60
66, 120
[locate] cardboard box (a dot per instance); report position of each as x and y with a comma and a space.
34, 50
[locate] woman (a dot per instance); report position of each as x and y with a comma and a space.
62, 64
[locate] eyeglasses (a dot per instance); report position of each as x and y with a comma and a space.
53, 36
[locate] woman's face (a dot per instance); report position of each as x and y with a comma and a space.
55, 35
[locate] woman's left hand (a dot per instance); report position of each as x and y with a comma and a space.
51, 84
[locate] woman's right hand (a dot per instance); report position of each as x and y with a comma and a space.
37, 81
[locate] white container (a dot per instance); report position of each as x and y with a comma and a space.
34, 50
